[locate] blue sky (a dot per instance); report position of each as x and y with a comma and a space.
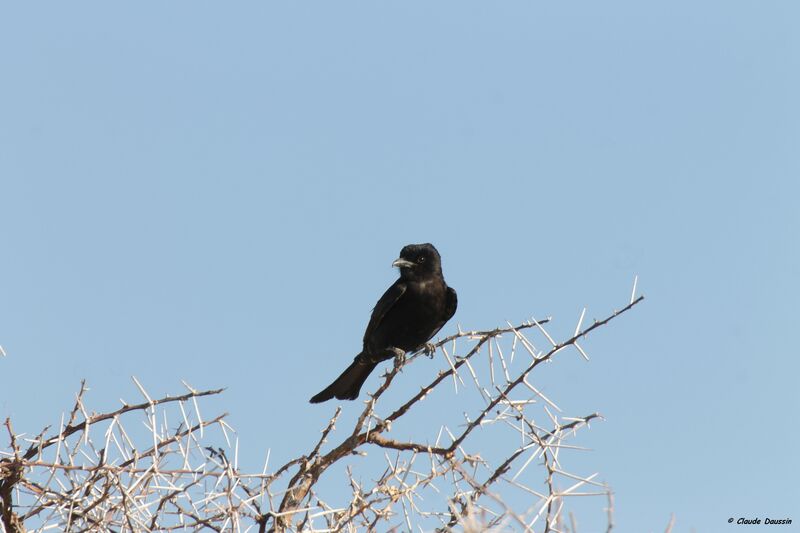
192, 191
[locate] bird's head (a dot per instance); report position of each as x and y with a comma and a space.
418, 260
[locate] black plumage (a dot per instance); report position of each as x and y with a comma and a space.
406, 317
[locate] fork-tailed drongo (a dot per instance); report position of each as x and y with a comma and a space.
408, 314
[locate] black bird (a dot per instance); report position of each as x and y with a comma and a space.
408, 314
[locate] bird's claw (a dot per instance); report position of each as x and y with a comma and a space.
429, 350
399, 356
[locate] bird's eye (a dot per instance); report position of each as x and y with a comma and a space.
421, 259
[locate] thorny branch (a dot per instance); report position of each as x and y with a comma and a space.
97, 472
365, 432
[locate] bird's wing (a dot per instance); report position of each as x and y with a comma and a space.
452, 303
386, 302
449, 310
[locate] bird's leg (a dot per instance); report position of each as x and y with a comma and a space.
390, 352
429, 350
398, 354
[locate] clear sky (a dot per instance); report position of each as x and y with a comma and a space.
209, 192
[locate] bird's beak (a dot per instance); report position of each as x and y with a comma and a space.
400, 263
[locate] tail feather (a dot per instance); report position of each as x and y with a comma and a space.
348, 384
